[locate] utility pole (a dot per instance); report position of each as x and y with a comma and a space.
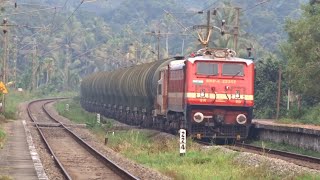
158, 35
34, 55
5, 56
236, 29
66, 66
279, 93
15, 56
158, 45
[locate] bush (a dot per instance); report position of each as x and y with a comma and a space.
312, 115
295, 113
2, 137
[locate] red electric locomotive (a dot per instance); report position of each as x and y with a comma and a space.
210, 94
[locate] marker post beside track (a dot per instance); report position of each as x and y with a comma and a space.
98, 118
183, 142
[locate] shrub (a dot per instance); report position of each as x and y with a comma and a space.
2, 137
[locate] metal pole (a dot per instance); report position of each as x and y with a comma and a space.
279, 93
236, 29
4, 71
208, 27
33, 66
15, 62
158, 45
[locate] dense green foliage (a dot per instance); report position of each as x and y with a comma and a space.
301, 52
266, 88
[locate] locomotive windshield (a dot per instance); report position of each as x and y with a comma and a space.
232, 69
205, 68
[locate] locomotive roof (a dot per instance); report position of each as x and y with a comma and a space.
226, 59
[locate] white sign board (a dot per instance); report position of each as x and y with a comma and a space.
183, 141
98, 118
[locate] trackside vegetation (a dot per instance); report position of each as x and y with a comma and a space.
2, 137
286, 147
150, 149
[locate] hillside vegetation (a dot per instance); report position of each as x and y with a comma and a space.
61, 42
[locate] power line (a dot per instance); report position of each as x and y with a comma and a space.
179, 23
65, 22
54, 28
28, 12
256, 5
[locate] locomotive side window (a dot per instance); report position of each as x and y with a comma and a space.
232, 69
204, 68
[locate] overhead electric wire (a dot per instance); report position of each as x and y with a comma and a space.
258, 4
179, 23
27, 12
65, 22
54, 28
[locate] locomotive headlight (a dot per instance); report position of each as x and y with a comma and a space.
198, 117
237, 95
202, 93
241, 119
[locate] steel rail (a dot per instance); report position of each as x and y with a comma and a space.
60, 166
115, 168
281, 153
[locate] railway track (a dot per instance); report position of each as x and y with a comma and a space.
299, 159
73, 156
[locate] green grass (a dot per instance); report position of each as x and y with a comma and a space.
286, 147
198, 163
80, 116
2, 137
163, 154
14, 98
75, 113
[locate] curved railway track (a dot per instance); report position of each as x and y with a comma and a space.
299, 159
74, 157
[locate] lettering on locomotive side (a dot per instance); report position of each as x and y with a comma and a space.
229, 81
212, 80
225, 81
203, 100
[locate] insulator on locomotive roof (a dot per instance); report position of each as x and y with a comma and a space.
178, 57
214, 12
223, 22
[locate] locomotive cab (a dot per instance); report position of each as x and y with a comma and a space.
219, 96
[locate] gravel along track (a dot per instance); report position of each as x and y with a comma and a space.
78, 162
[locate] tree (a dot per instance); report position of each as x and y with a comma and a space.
302, 52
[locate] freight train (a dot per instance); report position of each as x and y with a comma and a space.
209, 93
